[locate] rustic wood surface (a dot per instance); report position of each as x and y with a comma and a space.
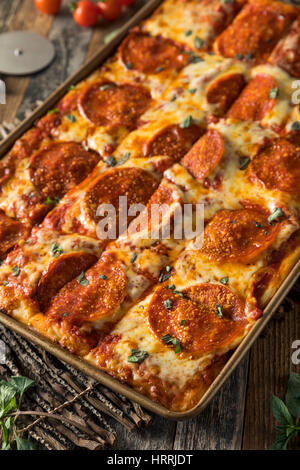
239, 417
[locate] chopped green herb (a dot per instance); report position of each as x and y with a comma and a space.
275, 215
1, 262
195, 59
198, 42
106, 86
82, 279
249, 56
178, 292
65, 314
174, 98
192, 90
15, 271
224, 280
129, 65
86, 148
164, 276
258, 224
219, 311
124, 159
171, 287
137, 356
295, 126
56, 250
189, 32
168, 304
244, 162
168, 339
274, 93
71, 118
111, 161
133, 258
71, 88
159, 69
49, 201
266, 232
187, 122
53, 111
182, 322
5, 283
102, 276
168, 268
239, 56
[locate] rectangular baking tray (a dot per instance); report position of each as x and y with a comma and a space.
101, 376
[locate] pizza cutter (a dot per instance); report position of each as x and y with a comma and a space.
24, 52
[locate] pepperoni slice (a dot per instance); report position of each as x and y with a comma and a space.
173, 141
137, 184
149, 54
59, 166
238, 235
49, 122
224, 91
69, 102
287, 52
60, 272
204, 155
278, 166
108, 104
106, 289
256, 30
11, 232
218, 14
255, 102
207, 318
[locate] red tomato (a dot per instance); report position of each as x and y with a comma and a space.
110, 10
85, 13
126, 3
48, 6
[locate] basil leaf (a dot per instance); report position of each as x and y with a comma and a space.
15, 271
168, 339
111, 160
198, 42
24, 444
133, 258
53, 111
137, 356
244, 163
56, 250
20, 383
292, 397
275, 215
186, 123
219, 311
224, 280
102, 276
7, 398
49, 201
168, 304
280, 443
274, 93
182, 322
295, 126
280, 411
82, 279
71, 118
188, 32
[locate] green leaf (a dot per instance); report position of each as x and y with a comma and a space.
280, 411
56, 250
294, 385
274, 93
24, 444
292, 397
7, 393
137, 356
187, 122
168, 304
21, 384
278, 212
219, 311
169, 339
82, 279
15, 271
280, 443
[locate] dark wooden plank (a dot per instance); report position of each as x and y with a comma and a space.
7, 13
220, 425
270, 366
159, 436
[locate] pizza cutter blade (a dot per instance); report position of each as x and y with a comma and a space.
24, 52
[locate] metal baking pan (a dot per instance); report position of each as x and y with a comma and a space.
58, 351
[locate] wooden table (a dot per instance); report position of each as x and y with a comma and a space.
239, 417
